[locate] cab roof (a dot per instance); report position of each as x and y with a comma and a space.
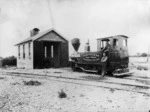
107, 38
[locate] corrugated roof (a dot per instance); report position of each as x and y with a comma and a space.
39, 35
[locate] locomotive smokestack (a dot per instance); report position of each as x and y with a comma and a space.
75, 43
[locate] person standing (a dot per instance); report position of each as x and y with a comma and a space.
104, 64
107, 47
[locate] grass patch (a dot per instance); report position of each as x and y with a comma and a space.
32, 83
62, 94
2, 77
16, 83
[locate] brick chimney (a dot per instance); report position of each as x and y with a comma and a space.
34, 32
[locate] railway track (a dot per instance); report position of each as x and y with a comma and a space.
112, 83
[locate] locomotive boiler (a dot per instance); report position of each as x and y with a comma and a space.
88, 61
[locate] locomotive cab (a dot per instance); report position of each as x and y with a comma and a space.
118, 58
116, 50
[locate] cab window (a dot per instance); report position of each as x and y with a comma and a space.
115, 42
104, 43
125, 42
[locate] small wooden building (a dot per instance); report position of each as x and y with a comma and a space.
43, 50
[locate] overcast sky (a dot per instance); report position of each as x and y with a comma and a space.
84, 19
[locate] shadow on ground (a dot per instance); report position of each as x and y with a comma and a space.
122, 76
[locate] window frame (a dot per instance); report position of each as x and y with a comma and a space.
103, 43
19, 51
45, 51
24, 51
115, 42
29, 50
124, 43
52, 51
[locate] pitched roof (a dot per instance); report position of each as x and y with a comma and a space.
40, 35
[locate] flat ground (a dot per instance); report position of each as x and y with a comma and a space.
84, 92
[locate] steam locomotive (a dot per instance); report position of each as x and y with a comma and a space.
87, 61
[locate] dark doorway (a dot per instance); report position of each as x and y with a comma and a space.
51, 54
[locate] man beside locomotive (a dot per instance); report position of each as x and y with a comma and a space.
104, 64
104, 58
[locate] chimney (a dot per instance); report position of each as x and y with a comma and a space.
34, 32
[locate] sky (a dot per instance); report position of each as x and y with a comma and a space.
84, 19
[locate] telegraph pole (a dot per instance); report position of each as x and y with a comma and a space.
50, 12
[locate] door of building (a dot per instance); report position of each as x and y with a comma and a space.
51, 54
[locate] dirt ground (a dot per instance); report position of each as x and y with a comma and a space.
84, 92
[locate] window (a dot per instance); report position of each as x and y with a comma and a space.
19, 52
52, 51
23, 51
104, 43
125, 42
45, 52
115, 42
29, 47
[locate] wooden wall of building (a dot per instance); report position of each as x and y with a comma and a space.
26, 62
64, 54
